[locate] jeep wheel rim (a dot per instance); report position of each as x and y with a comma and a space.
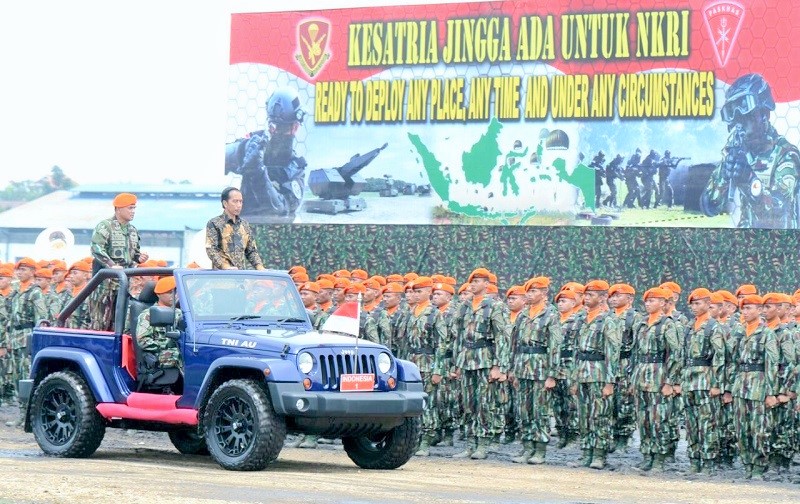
58, 416
233, 426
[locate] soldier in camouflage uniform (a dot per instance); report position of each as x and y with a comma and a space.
702, 383
620, 298
367, 328
42, 277
425, 331
781, 444
308, 293
656, 371
446, 399
720, 311
752, 385
681, 321
536, 359
325, 295
392, 297
565, 408
79, 273
516, 301
59, 294
115, 244
163, 351
482, 351
594, 373
28, 307
373, 308
7, 388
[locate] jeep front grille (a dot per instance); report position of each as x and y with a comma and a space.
333, 366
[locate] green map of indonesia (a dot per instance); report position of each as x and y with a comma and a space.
481, 169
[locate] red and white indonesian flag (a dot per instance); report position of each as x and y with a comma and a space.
344, 319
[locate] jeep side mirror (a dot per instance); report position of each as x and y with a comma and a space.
162, 316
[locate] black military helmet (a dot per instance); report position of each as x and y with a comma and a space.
283, 107
748, 93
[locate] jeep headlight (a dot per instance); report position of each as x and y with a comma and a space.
305, 362
384, 362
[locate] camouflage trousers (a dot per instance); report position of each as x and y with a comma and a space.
7, 367
565, 409
595, 416
502, 402
446, 403
534, 411
727, 433
752, 428
781, 442
478, 400
102, 302
430, 416
624, 409
653, 412
676, 418
702, 424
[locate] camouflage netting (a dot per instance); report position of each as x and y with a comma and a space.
643, 257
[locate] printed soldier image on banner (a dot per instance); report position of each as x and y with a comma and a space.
507, 113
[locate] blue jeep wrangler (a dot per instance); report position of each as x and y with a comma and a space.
254, 370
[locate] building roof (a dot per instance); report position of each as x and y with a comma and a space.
171, 207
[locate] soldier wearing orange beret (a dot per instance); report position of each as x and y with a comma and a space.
325, 295
565, 408
375, 310
482, 351
392, 302
308, 293
753, 386
620, 299
367, 328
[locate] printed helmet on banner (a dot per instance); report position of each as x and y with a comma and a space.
748, 93
283, 107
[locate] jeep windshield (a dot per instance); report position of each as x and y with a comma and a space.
240, 297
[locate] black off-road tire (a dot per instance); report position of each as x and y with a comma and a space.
64, 417
242, 431
189, 442
385, 451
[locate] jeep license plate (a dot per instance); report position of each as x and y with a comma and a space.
361, 382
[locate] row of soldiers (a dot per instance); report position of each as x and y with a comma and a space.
31, 291
589, 360
639, 176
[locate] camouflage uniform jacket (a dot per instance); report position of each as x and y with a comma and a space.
384, 326
483, 336
230, 242
570, 328
397, 325
318, 317
631, 321
153, 340
753, 370
425, 331
444, 363
596, 356
703, 357
28, 307
536, 344
367, 328
114, 244
5, 318
656, 355
58, 300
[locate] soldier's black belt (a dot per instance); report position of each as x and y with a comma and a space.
422, 351
531, 349
479, 344
746, 368
20, 327
698, 362
566, 354
590, 356
625, 354
651, 359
